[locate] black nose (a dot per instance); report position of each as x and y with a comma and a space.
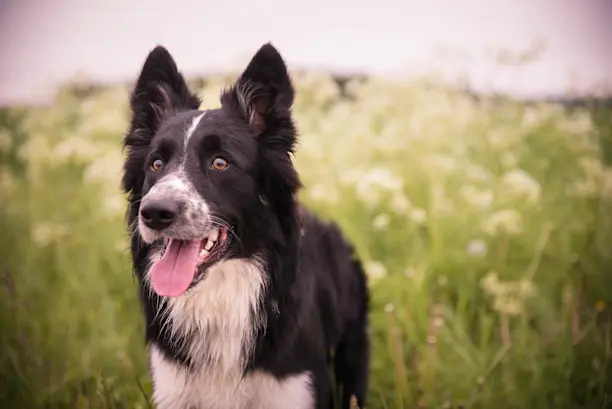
159, 214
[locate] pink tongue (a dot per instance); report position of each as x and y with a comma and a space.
172, 274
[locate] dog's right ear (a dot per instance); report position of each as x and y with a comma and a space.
160, 89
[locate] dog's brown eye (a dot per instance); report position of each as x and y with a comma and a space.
157, 164
220, 163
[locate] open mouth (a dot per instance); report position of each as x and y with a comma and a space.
183, 263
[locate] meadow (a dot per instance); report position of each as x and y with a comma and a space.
484, 225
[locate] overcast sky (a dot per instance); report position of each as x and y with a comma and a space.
43, 42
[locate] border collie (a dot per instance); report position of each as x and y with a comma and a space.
248, 298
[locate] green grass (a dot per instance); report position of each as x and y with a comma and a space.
484, 227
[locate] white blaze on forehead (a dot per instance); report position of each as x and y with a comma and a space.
193, 126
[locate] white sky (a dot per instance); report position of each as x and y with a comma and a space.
43, 42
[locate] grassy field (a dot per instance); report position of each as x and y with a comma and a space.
484, 226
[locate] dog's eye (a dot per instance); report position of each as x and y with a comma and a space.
157, 164
219, 163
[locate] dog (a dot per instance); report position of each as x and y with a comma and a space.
249, 299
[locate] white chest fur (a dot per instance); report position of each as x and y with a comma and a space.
174, 388
223, 310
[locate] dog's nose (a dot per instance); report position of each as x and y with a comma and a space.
159, 214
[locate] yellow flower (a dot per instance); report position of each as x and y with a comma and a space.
600, 305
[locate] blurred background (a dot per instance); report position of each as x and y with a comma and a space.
464, 147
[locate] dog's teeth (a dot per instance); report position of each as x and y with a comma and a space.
209, 244
213, 236
203, 253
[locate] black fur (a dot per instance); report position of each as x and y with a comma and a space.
316, 300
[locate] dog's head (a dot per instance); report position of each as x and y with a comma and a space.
205, 186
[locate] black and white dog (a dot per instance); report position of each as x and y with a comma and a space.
248, 298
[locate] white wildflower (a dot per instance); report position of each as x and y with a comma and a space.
476, 248
35, 149
104, 121
440, 163
526, 287
478, 198
75, 149
323, 193
502, 139
121, 246
521, 183
490, 283
508, 221
385, 179
371, 186
326, 89
47, 232
441, 204
583, 188
581, 123
350, 176
531, 117
105, 168
375, 270
311, 146
415, 128
508, 305
387, 141
591, 166
42, 235
418, 215
478, 173
509, 160
508, 296
399, 203
113, 206
593, 174
381, 221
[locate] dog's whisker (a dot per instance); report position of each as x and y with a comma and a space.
135, 202
133, 228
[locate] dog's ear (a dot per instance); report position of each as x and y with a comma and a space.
263, 94
160, 89
262, 97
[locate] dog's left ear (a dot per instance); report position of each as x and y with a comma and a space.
263, 94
